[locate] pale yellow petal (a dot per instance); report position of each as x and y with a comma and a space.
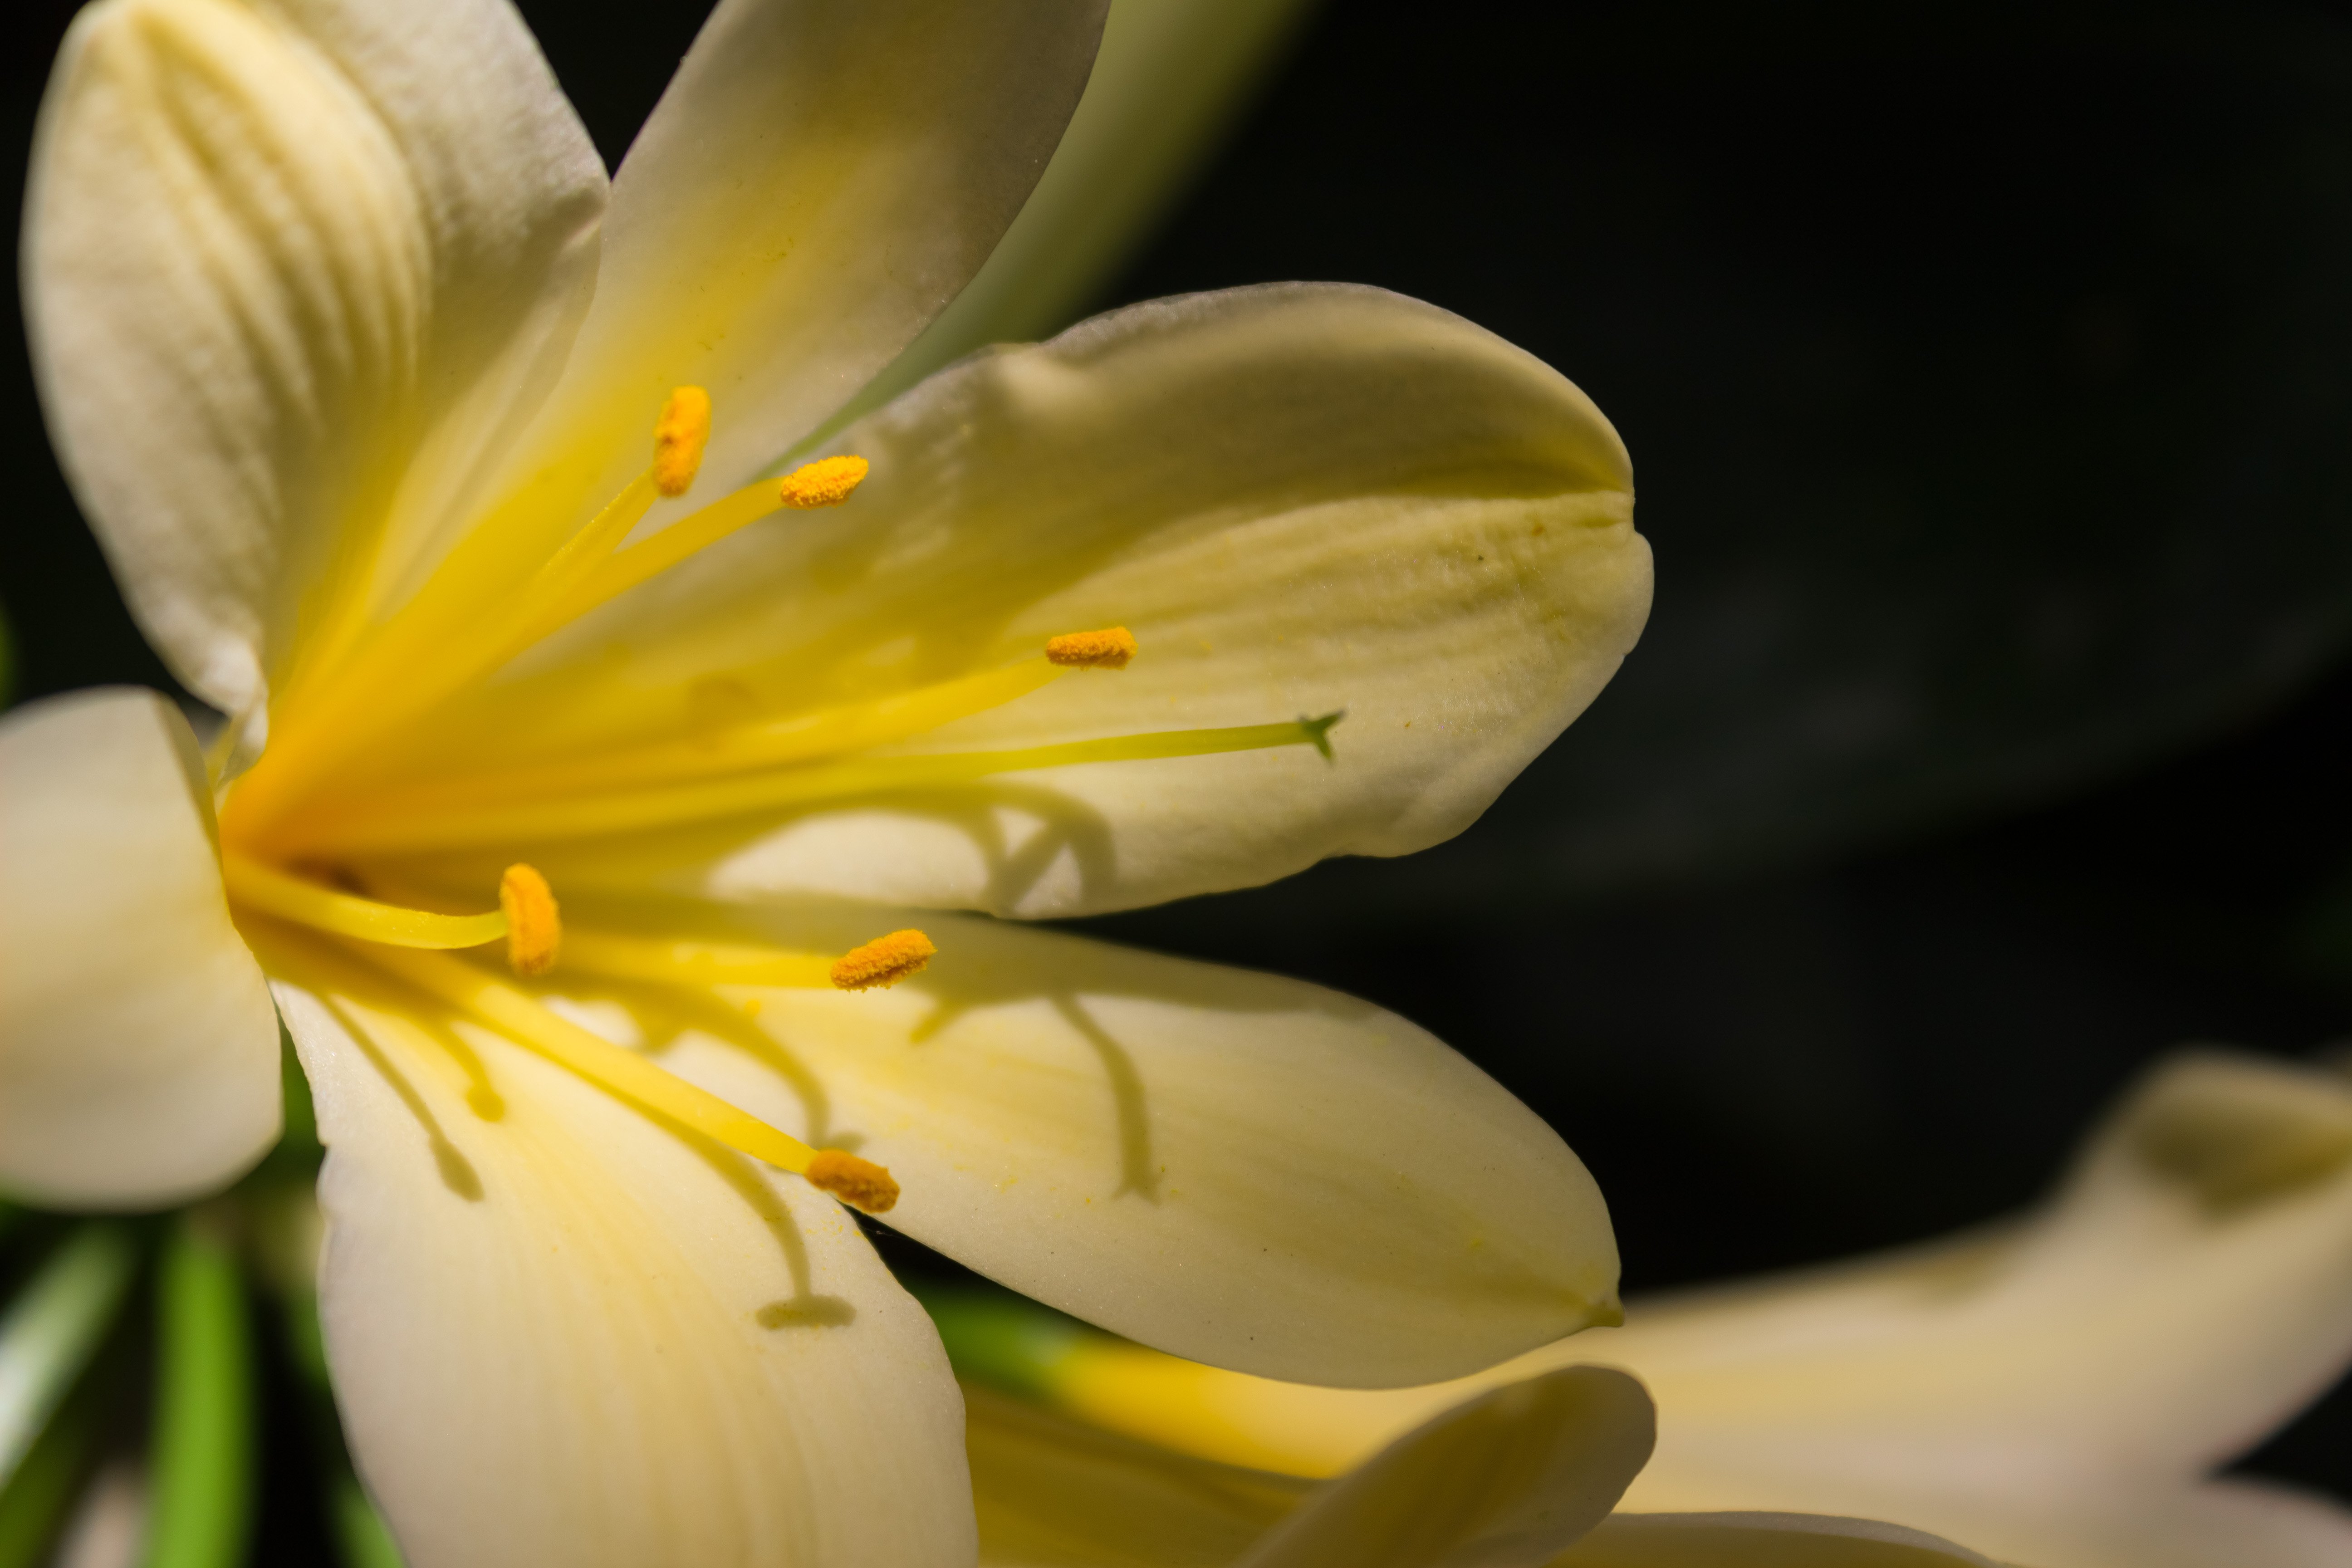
292, 274
1760, 1541
1167, 85
1506, 1479
2053, 1392
562, 1333
1238, 1168
818, 182
138, 1047
1052, 1492
1300, 501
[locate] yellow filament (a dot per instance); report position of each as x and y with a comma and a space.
680, 435
273, 892
861, 1183
534, 930
885, 960
1108, 649
737, 748
826, 482
515, 1015
436, 644
692, 962
616, 574
380, 829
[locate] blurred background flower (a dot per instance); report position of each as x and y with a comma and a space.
1988, 368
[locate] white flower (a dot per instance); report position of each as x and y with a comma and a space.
356, 365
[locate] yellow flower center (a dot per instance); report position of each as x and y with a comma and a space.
320, 825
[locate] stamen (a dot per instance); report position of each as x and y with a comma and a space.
622, 1072
736, 748
885, 960
680, 436
273, 892
1109, 649
452, 825
826, 482
534, 930
861, 1183
672, 962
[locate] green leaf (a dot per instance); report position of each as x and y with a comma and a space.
55, 1327
42, 1494
201, 1511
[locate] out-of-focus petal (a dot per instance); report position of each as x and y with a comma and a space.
293, 272
1506, 1479
1760, 1541
2053, 1392
1052, 1492
1238, 1168
138, 1045
563, 1333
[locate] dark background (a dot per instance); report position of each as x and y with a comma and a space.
1987, 370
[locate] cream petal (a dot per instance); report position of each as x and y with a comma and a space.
1506, 1479
293, 272
138, 1047
2052, 1392
1760, 1541
1166, 87
817, 182
1300, 499
561, 1333
1051, 1492
1236, 1168
2187, 1290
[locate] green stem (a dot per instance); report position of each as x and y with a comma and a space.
201, 1509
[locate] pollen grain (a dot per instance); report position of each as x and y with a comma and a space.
534, 930
826, 482
680, 435
885, 960
861, 1183
1109, 649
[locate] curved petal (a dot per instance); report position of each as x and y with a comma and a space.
1300, 500
1051, 1492
561, 1333
2049, 1393
1503, 1481
1760, 1541
1506, 1479
138, 1047
293, 272
1237, 1168
819, 181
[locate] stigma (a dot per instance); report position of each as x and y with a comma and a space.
534, 930
885, 960
826, 482
680, 434
1109, 649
